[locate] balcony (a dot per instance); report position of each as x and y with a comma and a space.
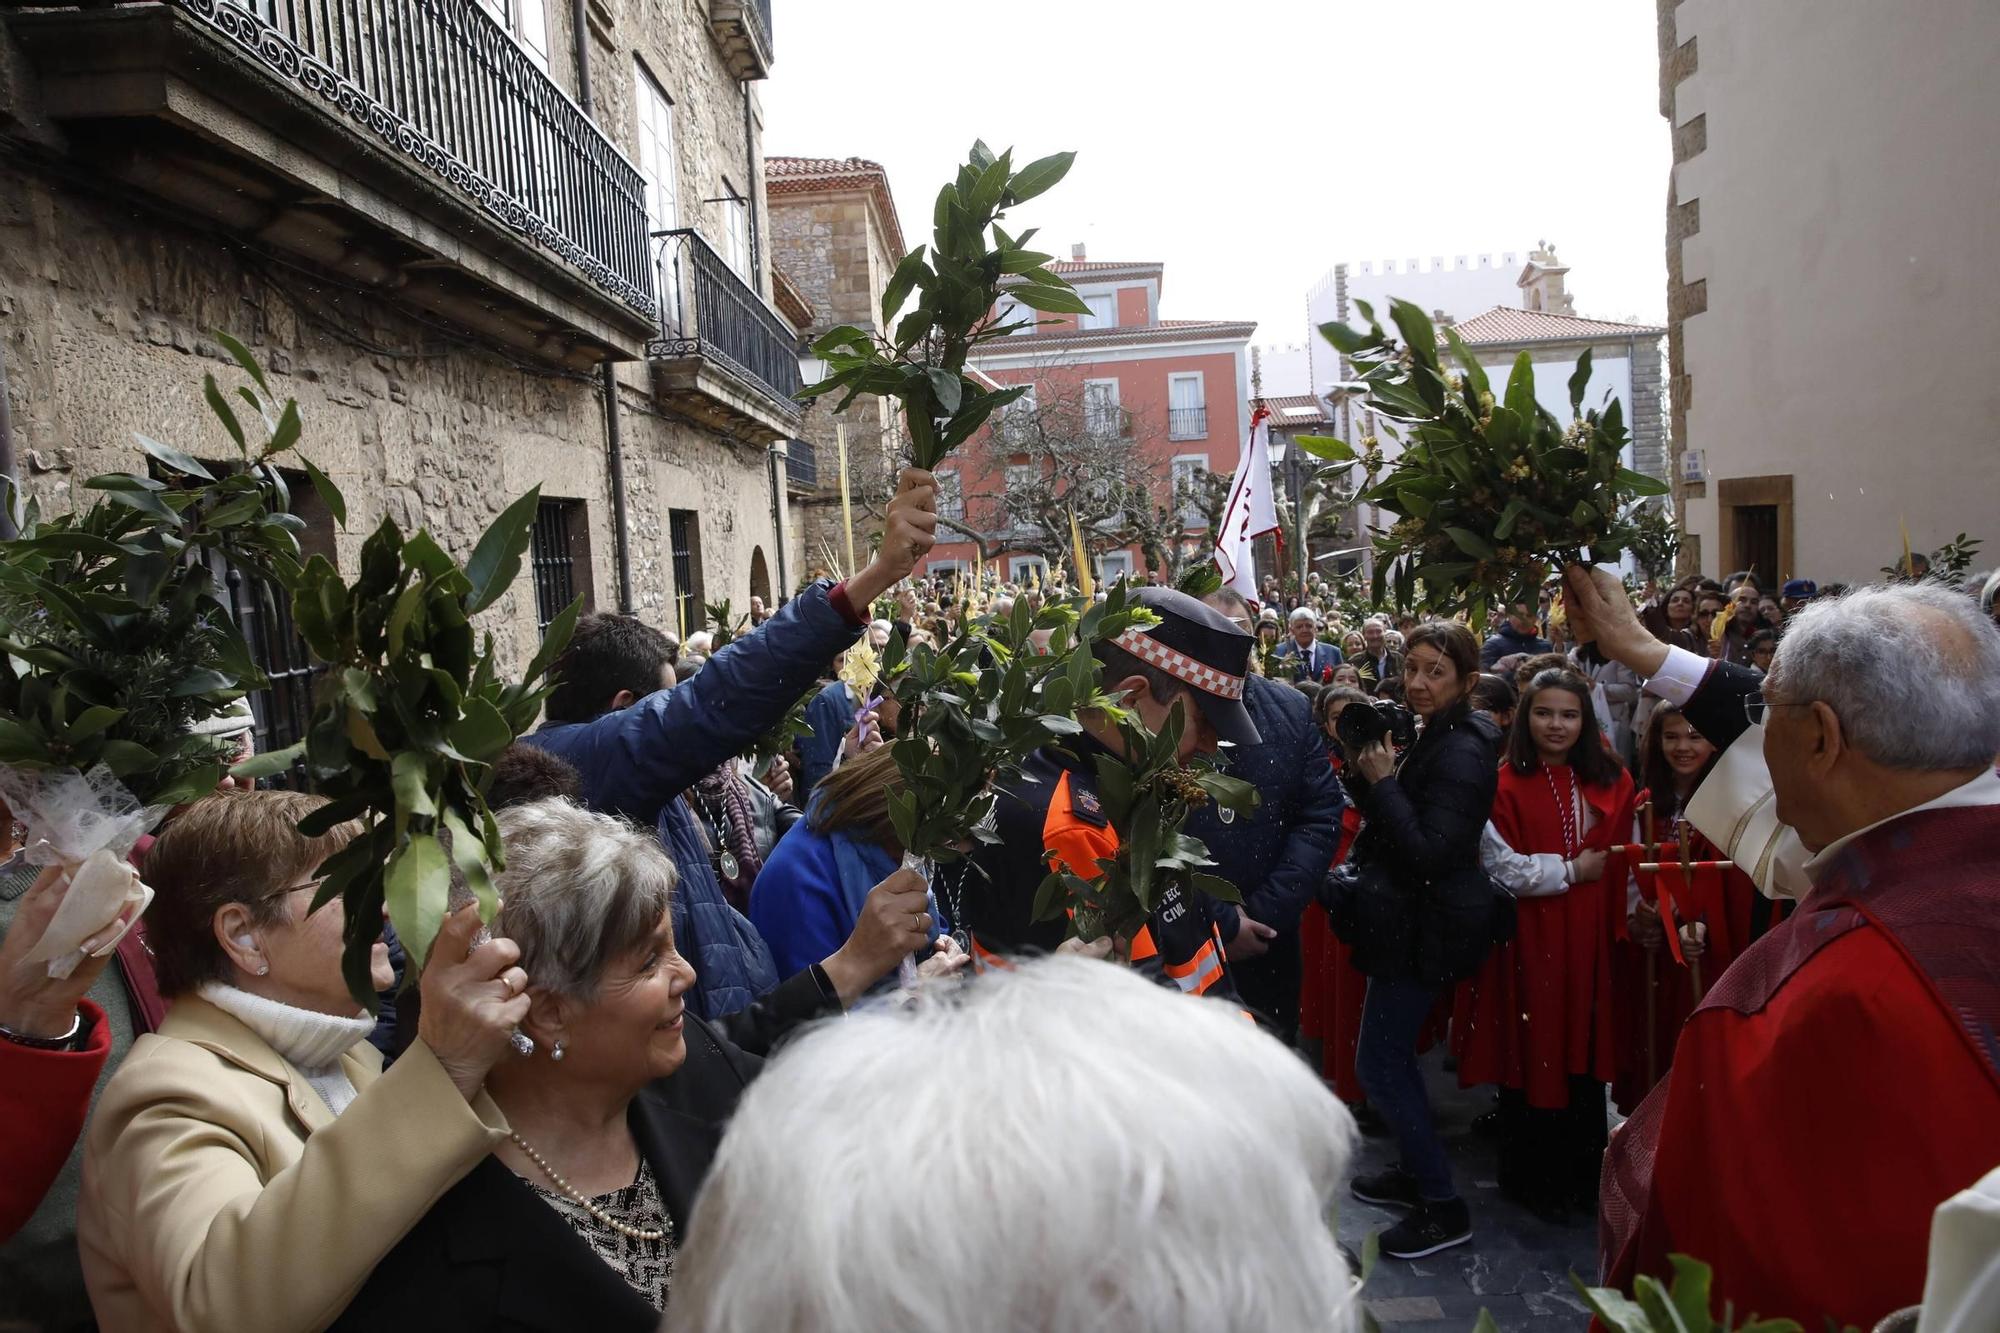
801, 466
406, 146
723, 357
1106, 421
742, 29
1187, 423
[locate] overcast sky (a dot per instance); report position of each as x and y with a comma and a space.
1252, 145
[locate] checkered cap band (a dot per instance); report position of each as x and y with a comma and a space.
1179, 665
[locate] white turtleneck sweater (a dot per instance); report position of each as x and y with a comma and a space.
311, 1042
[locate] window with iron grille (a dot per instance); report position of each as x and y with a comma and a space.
263, 615
684, 542
559, 555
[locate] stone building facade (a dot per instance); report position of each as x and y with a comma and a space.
1831, 322
836, 237
445, 299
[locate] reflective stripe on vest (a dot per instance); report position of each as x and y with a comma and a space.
1199, 973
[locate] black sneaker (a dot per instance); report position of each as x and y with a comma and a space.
1395, 1187
1430, 1227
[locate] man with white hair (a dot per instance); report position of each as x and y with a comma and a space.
1842, 1078
1306, 656
1062, 1173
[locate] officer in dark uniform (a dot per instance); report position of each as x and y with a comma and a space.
1194, 660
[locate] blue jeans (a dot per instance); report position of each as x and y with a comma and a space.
1386, 1061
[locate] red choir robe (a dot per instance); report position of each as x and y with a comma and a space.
1539, 1009
1838, 1083
1727, 901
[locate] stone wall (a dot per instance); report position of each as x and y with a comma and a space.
106, 311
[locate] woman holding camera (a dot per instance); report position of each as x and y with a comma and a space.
1420, 914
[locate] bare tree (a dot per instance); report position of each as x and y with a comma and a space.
1059, 453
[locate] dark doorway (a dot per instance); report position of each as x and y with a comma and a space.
1755, 534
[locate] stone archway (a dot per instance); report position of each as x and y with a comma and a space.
760, 576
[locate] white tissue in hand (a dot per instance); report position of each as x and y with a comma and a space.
103, 890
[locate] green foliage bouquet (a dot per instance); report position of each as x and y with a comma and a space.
957, 280
1494, 494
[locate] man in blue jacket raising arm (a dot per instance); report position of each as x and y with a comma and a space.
639, 745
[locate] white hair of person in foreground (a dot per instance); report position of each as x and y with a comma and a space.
1061, 1147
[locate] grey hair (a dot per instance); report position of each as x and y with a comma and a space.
580, 890
1302, 613
1911, 670
1064, 1177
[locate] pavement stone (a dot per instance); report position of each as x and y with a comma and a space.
1516, 1265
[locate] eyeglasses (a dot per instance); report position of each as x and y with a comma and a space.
1754, 706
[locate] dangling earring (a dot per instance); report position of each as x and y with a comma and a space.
557, 1052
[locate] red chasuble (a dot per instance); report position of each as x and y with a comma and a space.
1837, 1084
1540, 1008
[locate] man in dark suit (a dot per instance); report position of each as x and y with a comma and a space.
1305, 656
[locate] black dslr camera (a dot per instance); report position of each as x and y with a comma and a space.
1361, 725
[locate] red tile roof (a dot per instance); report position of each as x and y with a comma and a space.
1165, 331
1100, 270
1291, 410
1506, 324
812, 175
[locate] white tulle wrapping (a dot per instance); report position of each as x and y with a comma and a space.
87, 823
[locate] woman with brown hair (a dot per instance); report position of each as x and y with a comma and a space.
811, 890
1536, 1021
1420, 915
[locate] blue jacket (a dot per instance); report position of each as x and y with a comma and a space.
1507, 641
809, 893
1277, 855
831, 717
637, 761
1323, 657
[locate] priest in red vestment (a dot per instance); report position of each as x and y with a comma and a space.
1842, 1078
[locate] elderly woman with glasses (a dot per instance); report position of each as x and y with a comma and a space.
575, 1220
250, 1162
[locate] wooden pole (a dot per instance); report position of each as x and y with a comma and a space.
846, 498
1652, 976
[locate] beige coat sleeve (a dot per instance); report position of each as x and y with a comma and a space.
207, 1244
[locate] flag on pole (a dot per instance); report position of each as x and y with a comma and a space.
1250, 512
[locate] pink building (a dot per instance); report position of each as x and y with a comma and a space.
1170, 394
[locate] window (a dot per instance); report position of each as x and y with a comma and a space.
1103, 312
1188, 472
1013, 312
951, 496
684, 544
1020, 480
1187, 407
1021, 566
656, 149
1017, 419
527, 21
1101, 414
735, 229
559, 556
1113, 566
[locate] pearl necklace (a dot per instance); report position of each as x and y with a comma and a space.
582, 1201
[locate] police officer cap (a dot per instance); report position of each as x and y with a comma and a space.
1199, 645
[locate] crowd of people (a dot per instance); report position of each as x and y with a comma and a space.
779, 1080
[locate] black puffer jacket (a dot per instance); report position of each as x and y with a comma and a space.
1423, 909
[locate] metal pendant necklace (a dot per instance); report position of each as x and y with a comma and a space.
725, 860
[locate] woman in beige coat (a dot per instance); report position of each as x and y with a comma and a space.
250, 1162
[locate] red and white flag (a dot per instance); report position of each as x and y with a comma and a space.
1250, 512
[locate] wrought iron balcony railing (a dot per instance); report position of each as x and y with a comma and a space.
439, 83
1187, 423
708, 311
744, 29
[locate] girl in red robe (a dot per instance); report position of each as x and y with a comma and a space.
1719, 912
1537, 1018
